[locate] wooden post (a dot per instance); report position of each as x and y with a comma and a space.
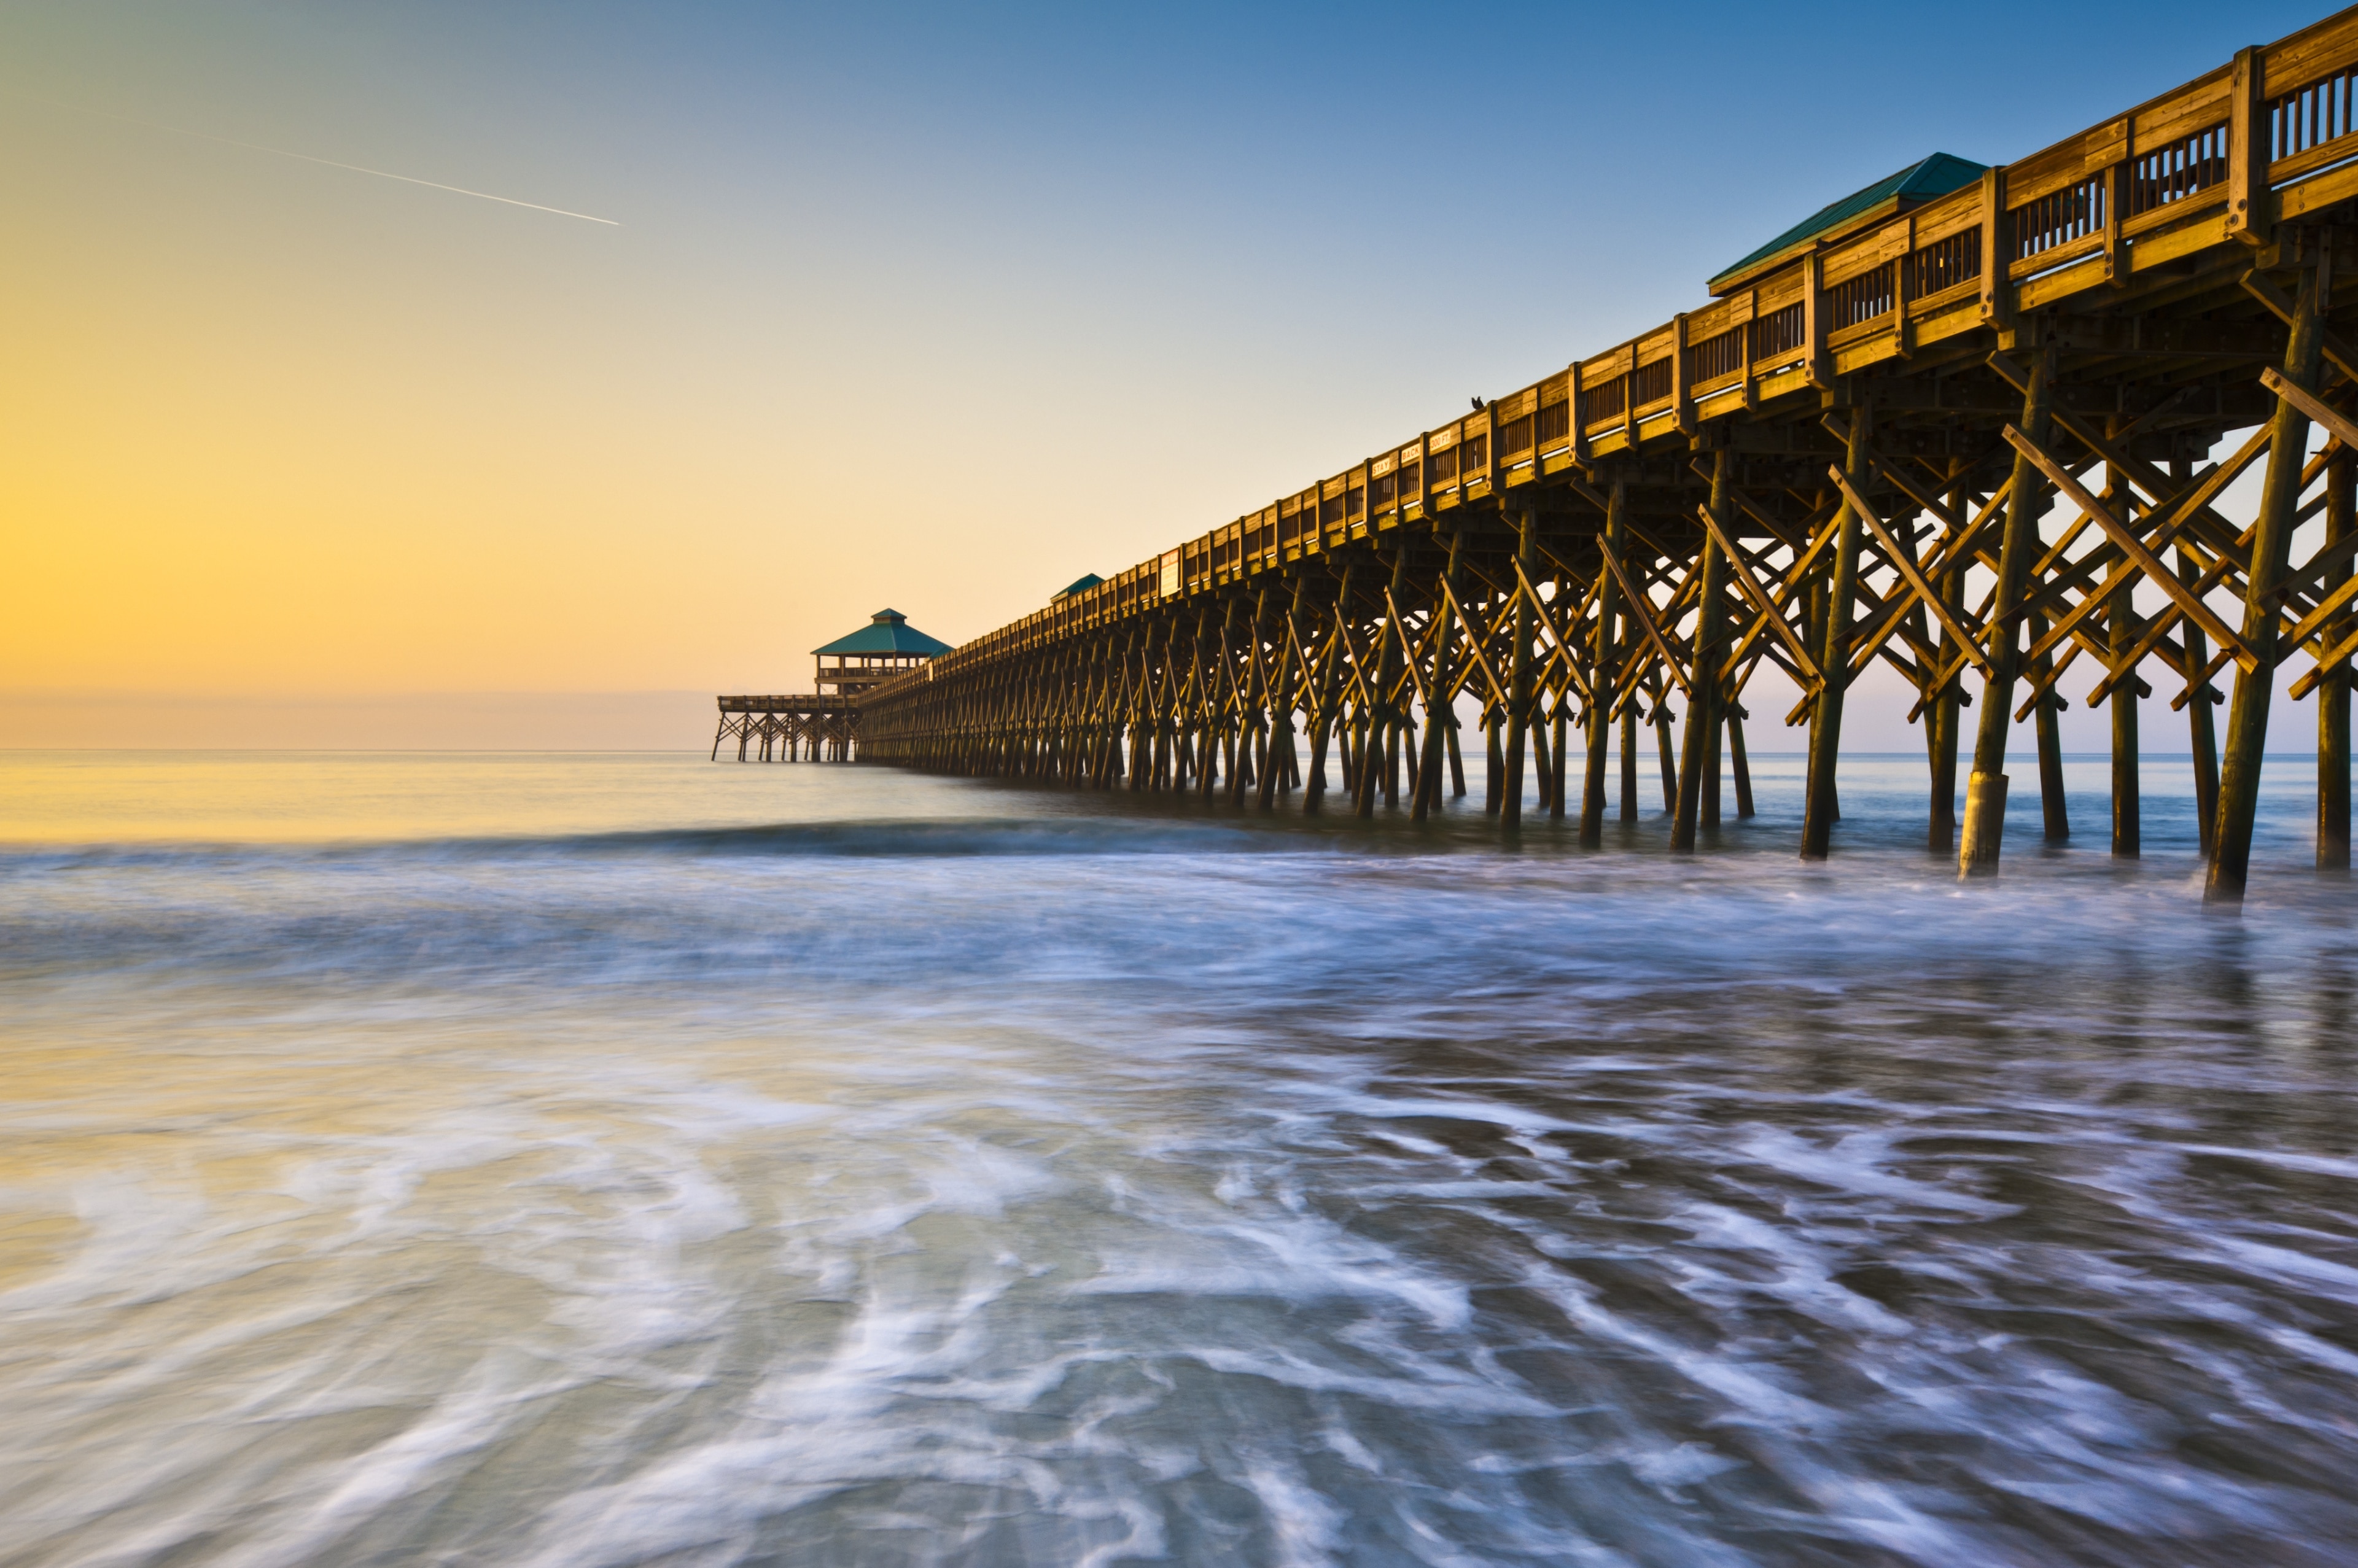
1575, 417
1495, 779
1240, 757
1557, 769
1142, 728
1160, 776
1819, 364
1328, 698
1702, 698
1393, 721
1743, 767
1683, 409
2247, 713
2122, 627
1218, 749
1715, 592
1519, 675
1834, 662
1604, 670
1985, 828
2250, 206
2116, 202
1368, 749
1380, 758
1542, 758
2334, 690
1280, 775
1814, 632
1629, 764
2201, 728
1395, 663
2056, 817
1942, 715
1438, 715
1662, 721
1711, 761
1186, 713
1997, 283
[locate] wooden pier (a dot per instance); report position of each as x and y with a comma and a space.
1953, 423
823, 726
808, 728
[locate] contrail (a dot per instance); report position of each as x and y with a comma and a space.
331, 163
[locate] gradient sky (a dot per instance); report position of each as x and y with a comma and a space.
931, 306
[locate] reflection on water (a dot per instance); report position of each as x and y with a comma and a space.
892, 1170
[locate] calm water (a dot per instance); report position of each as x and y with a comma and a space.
585, 1160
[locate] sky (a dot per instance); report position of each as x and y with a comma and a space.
932, 306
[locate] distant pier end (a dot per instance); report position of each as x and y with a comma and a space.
822, 725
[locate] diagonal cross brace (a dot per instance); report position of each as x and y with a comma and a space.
2134, 548
1906, 568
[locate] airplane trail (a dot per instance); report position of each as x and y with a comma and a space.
331, 163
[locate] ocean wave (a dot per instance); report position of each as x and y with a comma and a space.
879, 839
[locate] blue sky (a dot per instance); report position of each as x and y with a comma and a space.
930, 306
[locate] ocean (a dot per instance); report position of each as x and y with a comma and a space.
571, 1161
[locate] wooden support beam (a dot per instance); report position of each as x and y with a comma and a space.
2339, 352
1604, 675
1820, 808
1707, 696
2239, 775
1770, 616
2250, 206
2124, 539
1985, 787
1906, 565
2333, 676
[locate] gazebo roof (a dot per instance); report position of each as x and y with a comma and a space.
887, 631
1911, 187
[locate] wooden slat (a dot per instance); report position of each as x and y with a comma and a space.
2316, 50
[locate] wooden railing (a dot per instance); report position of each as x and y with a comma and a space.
805, 701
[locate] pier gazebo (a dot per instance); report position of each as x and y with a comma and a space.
822, 725
887, 646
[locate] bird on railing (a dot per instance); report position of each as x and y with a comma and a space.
1480, 404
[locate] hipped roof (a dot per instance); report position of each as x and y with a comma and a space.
887, 631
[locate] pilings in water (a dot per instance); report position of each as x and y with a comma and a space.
794, 728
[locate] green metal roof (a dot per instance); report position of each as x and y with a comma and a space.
887, 631
1092, 580
1916, 184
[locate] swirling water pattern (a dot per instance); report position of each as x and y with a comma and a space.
822, 1165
